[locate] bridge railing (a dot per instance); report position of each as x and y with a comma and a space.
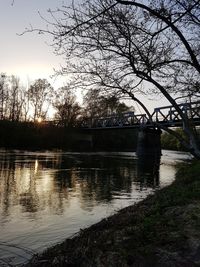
117, 120
169, 114
162, 115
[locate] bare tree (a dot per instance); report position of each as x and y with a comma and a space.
98, 105
126, 47
40, 94
15, 101
3, 95
11, 98
26, 105
67, 108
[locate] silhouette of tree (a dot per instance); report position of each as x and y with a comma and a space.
15, 99
12, 98
67, 108
40, 93
128, 47
97, 105
3, 94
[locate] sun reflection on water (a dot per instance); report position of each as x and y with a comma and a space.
47, 196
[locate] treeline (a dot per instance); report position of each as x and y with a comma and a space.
39, 101
23, 103
168, 141
34, 136
29, 135
28, 113
22, 108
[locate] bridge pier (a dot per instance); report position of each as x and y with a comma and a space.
149, 153
149, 143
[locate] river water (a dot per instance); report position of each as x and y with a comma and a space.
46, 197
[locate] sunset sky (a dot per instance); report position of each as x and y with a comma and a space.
27, 56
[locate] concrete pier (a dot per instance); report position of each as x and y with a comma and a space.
149, 144
149, 154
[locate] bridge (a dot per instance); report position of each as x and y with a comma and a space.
166, 116
149, 134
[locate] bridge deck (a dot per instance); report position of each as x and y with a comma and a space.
166, 116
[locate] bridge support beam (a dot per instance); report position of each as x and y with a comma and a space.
149, 144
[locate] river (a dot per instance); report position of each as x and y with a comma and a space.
46, 197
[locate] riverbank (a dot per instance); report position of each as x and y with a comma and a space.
40, 136
162, 230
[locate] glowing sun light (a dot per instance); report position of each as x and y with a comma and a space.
39, 120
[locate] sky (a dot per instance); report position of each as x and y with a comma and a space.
28, 56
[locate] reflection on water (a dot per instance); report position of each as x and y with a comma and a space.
148, 170
46, 197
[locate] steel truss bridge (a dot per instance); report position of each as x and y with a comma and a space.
166, 116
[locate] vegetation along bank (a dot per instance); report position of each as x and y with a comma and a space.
162, 230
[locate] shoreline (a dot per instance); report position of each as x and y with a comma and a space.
162, 230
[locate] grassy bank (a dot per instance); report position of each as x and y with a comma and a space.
162, 230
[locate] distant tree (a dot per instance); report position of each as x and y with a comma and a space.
15, 99
26, 110
11, 98
40, 94
112, 105
92, 105
170, 142
97, 105
3, 95
67, 108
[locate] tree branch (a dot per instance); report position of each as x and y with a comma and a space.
170, 24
